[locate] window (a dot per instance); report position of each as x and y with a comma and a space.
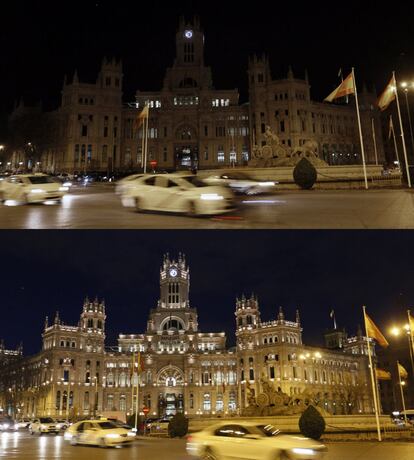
84, 130
122, 403
207, 402
66, 375
108, 81
272, 372
86, 401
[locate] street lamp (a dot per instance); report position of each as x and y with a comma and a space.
397, 331
406, 86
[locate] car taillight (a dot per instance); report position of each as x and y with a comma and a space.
189, 438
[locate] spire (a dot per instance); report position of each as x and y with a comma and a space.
57, 319
75, 77
46, 322
281, 315
290, 73
359, 331
306, 76
297, 317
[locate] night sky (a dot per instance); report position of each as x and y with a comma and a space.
42, 272
41, 41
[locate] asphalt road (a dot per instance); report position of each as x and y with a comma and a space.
22, 446
97, 207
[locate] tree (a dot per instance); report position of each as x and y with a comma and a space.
305, 174
311, 423
178, 426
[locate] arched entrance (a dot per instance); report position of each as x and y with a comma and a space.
170, 381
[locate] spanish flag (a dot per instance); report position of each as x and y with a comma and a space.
139, 364
388, 95
382, 374
411, 323
374, 332
344, 89
401, 371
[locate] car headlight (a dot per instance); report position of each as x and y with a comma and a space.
112, 435
67, 184
43, 427
266, 184
211, 197
36, 190
302, 451
5, 426
131, 434
63, 189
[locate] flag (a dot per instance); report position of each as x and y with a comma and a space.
402, 372
411, 323
388, 95
332, 314
142, 116
344, 89
382, 374
374, 332
340, 74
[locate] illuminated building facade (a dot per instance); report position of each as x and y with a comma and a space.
184, 369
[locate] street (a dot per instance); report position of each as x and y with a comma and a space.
47, 447
97, 207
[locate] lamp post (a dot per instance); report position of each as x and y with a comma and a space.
405, 86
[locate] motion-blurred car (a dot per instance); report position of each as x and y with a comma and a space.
122, 185
161, 424
22, 424
98, 433
32, 188
6, 423
62, 424
178, 193
241, 183
43, 425
251, 441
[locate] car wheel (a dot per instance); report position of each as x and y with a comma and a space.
208, 454
138, 205
102, 443
31, 432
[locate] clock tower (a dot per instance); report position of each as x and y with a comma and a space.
174, 283
190, 44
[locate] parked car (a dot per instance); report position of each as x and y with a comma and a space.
252, 441
32, 188
98, 433
161, 424
242, 183
177, 193
62, 424
43, 425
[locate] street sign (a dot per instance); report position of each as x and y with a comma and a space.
145, 410
153, 163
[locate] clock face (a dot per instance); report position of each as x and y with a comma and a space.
173, 272
188, 34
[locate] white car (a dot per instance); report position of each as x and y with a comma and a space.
22, 424
101, 433
123, 184
247, 440
178, 193
32, 188
242, 183
43, 425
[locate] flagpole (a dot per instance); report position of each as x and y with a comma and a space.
374, 389
410, 337
402, 392
143, 143
402, 133
360, 130
146, 122
137, 401
395, 142
133, 382
374, 140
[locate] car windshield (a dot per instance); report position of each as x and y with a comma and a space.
41, 179
46, 420
107, 425
236, 176
195, 181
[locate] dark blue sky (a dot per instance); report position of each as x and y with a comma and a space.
42, 272
40, 41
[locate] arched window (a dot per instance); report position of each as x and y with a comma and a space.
249, 319
58, 400
122, 379
188, 83
219, 402
110, 379
173, 325
88, 377
65, 400
232, 401
207, 402
99, 324
90, 322
122, 403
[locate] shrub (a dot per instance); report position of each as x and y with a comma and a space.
178, 426
305, 174
311, 423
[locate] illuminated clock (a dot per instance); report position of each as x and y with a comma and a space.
188, 34
173, 272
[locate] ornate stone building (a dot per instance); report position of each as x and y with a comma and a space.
191, 123
184, 369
